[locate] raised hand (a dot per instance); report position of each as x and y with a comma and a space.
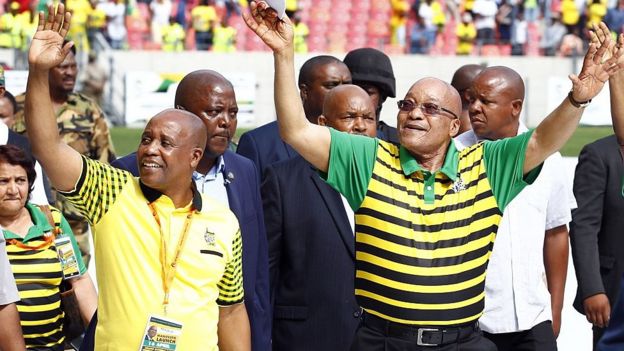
600, 33
263, 20
47, 49
597, 68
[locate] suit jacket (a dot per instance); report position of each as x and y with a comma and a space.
243, 192
596, 229
311, 260
387, 133
264, 146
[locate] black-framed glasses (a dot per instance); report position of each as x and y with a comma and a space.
428, 108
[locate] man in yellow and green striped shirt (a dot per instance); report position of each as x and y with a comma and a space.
426, 215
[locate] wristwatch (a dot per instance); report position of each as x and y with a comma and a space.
577, 104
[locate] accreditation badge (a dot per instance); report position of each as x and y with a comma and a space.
161, 334
67, 256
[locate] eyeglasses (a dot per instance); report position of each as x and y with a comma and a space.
428, 108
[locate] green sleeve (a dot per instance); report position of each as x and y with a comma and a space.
351, 162
66, 229
504, 162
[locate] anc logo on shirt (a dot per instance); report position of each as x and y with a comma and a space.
209, 237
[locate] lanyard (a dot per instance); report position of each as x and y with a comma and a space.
169, 269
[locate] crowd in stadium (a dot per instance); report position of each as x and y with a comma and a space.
462, 27
326, 229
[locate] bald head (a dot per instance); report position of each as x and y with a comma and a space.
496, 99
439, 90
462, 79
191, 129
348, 108
505, 78
194, 85
338, 99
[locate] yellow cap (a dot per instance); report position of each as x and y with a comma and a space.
15, 5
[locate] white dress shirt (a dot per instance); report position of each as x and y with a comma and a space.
516, 291
8, 290
38, 196
213, 183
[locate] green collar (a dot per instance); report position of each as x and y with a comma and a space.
449, 168
40, 227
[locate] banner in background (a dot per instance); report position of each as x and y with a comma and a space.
598, 113
148, 93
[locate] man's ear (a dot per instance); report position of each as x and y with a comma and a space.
303, 92
196, 156
322, 120
454, 127
516, 108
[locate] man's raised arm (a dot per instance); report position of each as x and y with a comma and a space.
310, 140
559, 126
62, 163
616, 91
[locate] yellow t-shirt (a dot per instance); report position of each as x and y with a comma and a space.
569, 13
301, 33
466, 33
127, 242
224, 39
202, 17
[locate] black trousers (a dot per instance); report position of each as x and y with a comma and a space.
367, 339
538, 338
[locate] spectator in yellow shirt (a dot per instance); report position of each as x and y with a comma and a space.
224, 37
173, 36
204, 17
10, 26
466, 35
569, 14
398, 21
80, 10
595, 12
301, 32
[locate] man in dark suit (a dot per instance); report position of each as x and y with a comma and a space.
596, 228
311, 244
317, 76
233, 180
372, 71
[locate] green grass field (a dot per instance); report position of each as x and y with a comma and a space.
127, 139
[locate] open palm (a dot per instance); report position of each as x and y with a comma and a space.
600, 63
47, 49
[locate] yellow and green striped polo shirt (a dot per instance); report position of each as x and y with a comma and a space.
423, 239
127, 251
38, 276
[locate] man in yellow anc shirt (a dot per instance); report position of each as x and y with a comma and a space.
466, 35
426, 215
204, 17
166, 255
224, 37
173, 36
11, 27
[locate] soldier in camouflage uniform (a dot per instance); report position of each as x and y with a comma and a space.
82, 125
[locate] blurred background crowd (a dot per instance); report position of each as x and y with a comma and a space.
437, 27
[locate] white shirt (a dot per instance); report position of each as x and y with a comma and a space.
350, 213
116, 27
486, 9
516, 291
38, 195
161, 12
213, 183
8, 290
